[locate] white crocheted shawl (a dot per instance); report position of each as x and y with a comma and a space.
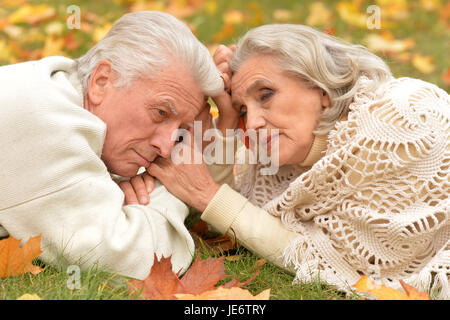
378, 202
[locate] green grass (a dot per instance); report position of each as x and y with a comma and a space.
51, 284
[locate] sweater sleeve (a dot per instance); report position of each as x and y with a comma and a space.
87, 225
229, 212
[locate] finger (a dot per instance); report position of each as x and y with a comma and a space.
232, 47
226, 81
130, 195
223, 54
140, 189
149, 182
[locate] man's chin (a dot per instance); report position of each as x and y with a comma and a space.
126, 172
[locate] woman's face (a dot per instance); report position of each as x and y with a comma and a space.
273, 99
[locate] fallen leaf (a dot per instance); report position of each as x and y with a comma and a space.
226, 294
381, 292
28, 296
349, 12
16, 260
202, 276
423, 63
53, 47
226, 32
233, 17
384, 43
446, 76
282, 15
160, 284
319, 15
32, 14
413, 293
100, 32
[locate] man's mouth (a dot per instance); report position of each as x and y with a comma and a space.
144, 162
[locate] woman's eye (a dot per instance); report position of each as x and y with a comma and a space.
267, 93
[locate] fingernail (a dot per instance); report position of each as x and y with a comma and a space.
143, 199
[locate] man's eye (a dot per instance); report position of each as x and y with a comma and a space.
162, 112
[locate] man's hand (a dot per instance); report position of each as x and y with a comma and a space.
137, 190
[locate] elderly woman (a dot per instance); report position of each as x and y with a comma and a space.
363, 186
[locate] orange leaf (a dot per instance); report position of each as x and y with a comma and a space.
202, 276
412, 292
160, 284
16, 260
381, 292
446, 76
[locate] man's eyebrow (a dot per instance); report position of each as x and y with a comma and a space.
169, 105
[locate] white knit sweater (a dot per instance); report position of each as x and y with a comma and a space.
53, 182
375, 201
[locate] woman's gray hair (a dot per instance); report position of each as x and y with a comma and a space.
319, 59
139, 44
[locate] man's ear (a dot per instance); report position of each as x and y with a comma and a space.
101, 79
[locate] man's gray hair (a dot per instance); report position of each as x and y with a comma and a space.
319, 59
139, 44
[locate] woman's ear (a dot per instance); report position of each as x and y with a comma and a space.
325, 99
99, 81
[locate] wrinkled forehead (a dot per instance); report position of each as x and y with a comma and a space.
257, 69
177, 88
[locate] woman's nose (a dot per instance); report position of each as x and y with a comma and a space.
255, 119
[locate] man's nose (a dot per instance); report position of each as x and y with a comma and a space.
165, 140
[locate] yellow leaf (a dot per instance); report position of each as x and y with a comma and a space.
233, 17
319, 15
100, 32
380, 43
28, 296
349, 12
6, 53
430, 5
53, 47
423, 63
282, 15
381, 292
32, 14
211, 7
234, 293
394, 9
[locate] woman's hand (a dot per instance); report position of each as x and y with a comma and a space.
137, 189
228, 116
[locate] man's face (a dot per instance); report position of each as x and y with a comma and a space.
142, 118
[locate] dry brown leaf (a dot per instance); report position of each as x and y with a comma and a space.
16, 260
163, 284
381, 292
160, 284
226, 294
203, 275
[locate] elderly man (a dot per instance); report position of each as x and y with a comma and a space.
66, 126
